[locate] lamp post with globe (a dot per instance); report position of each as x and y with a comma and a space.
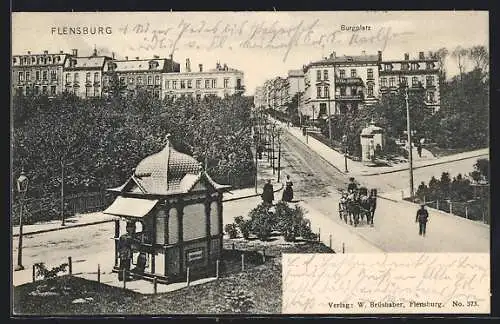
22, 188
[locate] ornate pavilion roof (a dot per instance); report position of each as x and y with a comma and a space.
165, 173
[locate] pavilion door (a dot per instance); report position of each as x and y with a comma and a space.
172, 261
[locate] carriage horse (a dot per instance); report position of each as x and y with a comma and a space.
357, 205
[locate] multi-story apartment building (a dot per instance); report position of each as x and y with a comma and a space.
259, 99
83, 75
139, 74
277, 93
417, 74
296, 82
221, 81
338, 84
39, 73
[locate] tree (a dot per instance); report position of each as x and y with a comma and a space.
441, 55
464, 113
480, 58
460, 54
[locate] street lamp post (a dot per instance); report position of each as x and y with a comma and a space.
22, 188
344, 140
279, 154
329, 117
410, 156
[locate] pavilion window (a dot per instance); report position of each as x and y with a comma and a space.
193, 222
173, 226
214, 218
160, 227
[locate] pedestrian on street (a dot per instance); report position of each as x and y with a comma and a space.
419, 149
268, 193
288, 192
422, 218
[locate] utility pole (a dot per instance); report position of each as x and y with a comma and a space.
279, 157
408, 126
329, 117
256, 163
298, 103
62, 193
272, 145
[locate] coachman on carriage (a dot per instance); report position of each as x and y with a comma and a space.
357, 204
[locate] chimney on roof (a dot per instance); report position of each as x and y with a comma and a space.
407, 56
380, 55
156, 56
188, 65
126, 58
74, 52
61, 52
45, 52
95, 51
201, 67
113, 55
421, 56
137, 57
171, 56
225, 67
363, 53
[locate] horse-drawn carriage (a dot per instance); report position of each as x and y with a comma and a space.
356, 205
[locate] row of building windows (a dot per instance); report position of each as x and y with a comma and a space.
76, 77
140, 81
37, 60
406, 66
36, 90
342, 74
429, 80
324, 92
188, 84
39, 75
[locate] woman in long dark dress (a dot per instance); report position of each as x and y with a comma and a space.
288, 192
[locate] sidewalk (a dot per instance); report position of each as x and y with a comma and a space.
337, 159
264, 173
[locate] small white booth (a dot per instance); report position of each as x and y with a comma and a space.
370, 137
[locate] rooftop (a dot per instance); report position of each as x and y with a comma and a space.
167, 172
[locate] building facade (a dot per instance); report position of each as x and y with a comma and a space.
418, 73
220, 81
277, 93
83, 75
336, 85
37, 74
259, 99
296, 82
138, 74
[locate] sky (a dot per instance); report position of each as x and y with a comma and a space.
263, 45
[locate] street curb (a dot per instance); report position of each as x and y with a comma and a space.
389, 171
423, 166
111, 220
323, 158
64, 227
252, 195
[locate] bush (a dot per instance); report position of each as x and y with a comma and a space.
244, 226
231, 230
262, 221
289, 220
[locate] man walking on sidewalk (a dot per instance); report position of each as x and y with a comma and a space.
422, 217
268, 193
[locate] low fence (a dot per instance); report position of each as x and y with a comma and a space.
476, 210
49, 208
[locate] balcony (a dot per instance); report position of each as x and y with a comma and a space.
349, 97
349, 81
